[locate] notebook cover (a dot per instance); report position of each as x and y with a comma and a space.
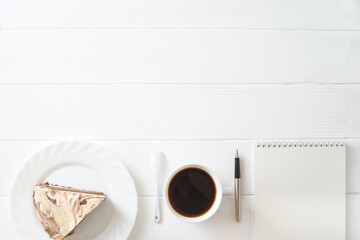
300, 192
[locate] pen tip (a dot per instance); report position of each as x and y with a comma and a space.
237, 153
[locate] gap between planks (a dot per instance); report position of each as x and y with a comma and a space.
200, 84
181, 29
190, 140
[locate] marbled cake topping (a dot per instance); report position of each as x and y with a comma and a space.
61, 209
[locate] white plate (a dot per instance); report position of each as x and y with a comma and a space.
84, 166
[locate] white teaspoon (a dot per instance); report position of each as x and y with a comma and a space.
158, 161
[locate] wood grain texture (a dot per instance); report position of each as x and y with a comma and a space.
7, 228
216, 155
353, 217
221, 226
195, 79
179, 56
176, 112
319, 14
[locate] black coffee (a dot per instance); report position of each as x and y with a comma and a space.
192, 192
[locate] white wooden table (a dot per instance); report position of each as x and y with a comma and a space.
193, 78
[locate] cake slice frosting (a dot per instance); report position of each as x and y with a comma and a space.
61, 209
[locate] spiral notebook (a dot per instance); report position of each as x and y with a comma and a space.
300, 191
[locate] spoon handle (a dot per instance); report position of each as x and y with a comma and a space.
158, 160
157, 209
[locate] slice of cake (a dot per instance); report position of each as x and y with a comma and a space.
61, 209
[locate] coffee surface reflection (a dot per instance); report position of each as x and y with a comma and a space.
192, 192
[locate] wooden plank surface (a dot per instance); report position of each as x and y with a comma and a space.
176, 112
220, 226
216, 155
353, 217
318, 14
179, 56
7, 227
195, 79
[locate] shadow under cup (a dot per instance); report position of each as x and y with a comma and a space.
193, 193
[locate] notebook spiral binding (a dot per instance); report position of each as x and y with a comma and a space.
293, 144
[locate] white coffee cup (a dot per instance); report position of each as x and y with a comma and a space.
215, 204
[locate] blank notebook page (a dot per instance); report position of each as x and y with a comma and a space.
300, 192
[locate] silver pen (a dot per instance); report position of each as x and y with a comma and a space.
237, 187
